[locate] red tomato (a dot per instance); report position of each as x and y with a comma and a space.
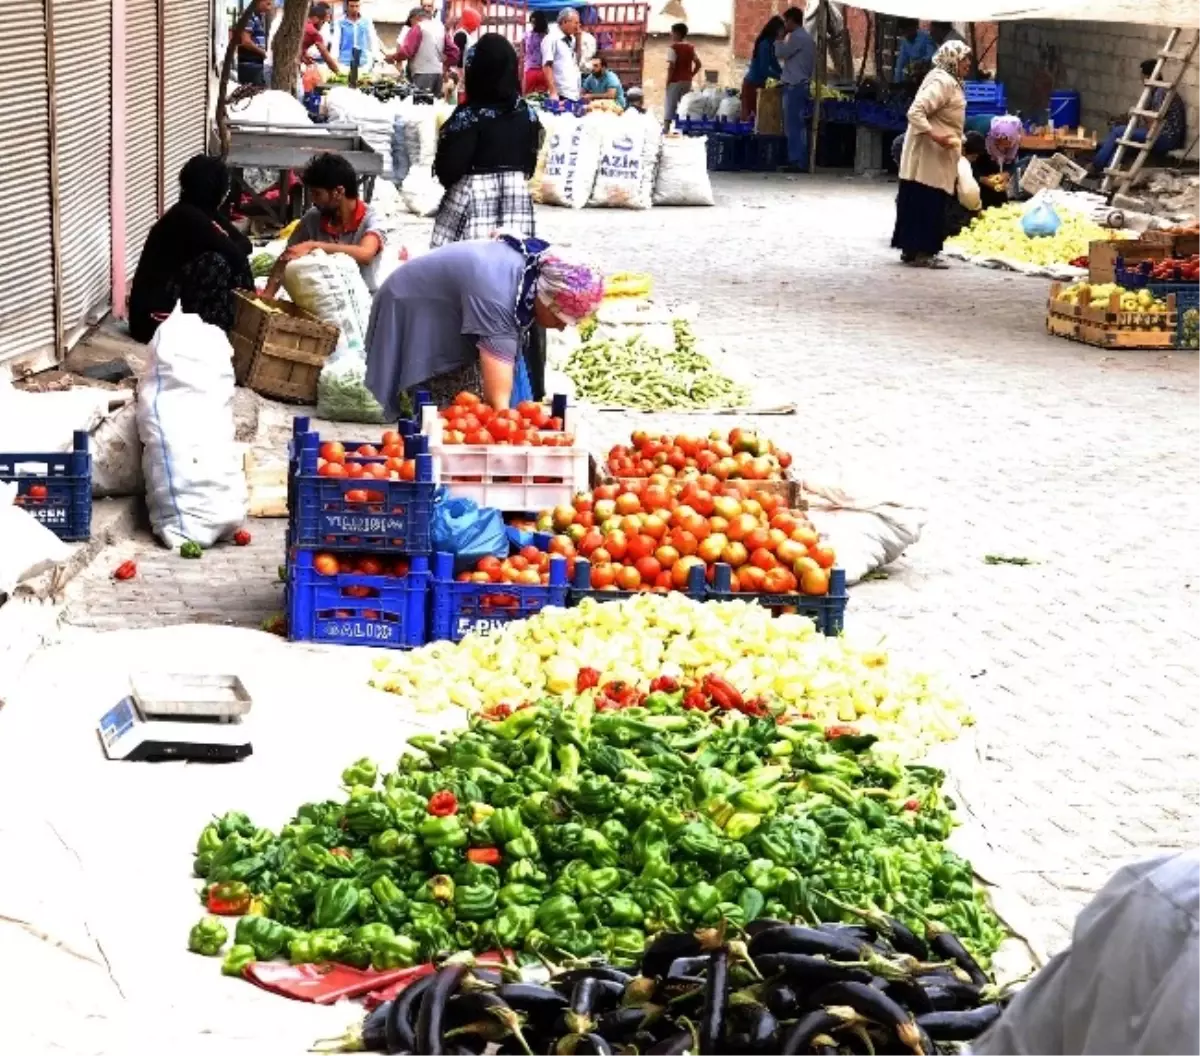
603, 576
332, 469
332, 451
628, 578
467, 399
367, 451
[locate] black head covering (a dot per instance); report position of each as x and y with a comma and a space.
204, 182
491, 74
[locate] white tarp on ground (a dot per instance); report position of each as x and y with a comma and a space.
94, 925
1150, 13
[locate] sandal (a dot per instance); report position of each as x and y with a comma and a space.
923, 261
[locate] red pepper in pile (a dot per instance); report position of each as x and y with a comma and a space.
497, 712
230, 899
912, 804
722, 694
442, 804
616, 695
843, 730
588, 678
484, 855
696, 700
664, 684
125, 570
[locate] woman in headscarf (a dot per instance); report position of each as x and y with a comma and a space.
929, 161
458, 317
1003, 144
487, 151
764, 66
193, 256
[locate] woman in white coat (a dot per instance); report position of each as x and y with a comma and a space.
929, 162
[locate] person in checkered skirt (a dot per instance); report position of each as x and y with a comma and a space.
487, 151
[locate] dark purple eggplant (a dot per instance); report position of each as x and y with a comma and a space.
668, 948
469, 1006
686, 966
871, 1004
758, 1026
433, 1007
858, 932
368, 1036
802, 1035
946, 946
675, 1045
908, 994
620, 1023
402, 1018
763, 924
947, 993
539, 1003
486, 975
589, 998
467, 1045
565, 981
794, 938
716, 998
807, 969
959, 1026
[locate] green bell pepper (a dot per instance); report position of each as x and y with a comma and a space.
518, 894
730, 884
266, 937
697, 840
207, 937
370, 934
615, 832
336, 903
596, 850
238, 959
392, 902
234, 823
442, 832
751, 901
512, 924
523, 846
698, 899
209, 841
730, 912
505, 824
524, 870
600, 881
622, 945
300, 950
399, 951
740, 825
364, 772
623, 911
328, 943
474, 901
557, 913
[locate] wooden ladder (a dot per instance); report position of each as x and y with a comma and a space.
1117, 179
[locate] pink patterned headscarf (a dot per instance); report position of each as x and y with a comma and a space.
1008, 128
571, 288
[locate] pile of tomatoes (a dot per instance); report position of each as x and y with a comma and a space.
468, 420
327, 564
1172, 269
649, 535
530, 567
367, 463
740, 455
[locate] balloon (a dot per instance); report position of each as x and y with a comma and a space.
470, 19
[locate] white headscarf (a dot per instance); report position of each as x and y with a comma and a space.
949, 55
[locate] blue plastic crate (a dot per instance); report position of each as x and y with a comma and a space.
581, 585
882, 116
351, 609
828, 611
458, 609
1138, 277
726, 153
767, 153
839, 111
987, 93
396, 520
1187, 299
696, 126
56, 487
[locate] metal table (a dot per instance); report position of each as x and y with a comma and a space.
285, 149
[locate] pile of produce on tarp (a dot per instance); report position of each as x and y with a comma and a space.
639, 639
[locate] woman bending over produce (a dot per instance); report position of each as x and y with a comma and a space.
457, 318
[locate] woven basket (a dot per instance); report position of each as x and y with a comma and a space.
280, 354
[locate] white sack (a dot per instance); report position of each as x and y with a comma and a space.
29, 546
195, 484
270, 108
619, 182
117, 455
730, 108
330, 286
422, 193
683, 172
652, 138
572, 155
865, 533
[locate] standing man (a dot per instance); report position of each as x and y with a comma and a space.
915, 46
682, 67
561, 55
318, 15
797, 54
252, 47
354, 32
602, 83
424, 47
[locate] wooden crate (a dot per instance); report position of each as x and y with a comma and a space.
1110, 327
788, 490
280, 353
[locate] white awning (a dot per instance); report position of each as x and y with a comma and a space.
1183, 13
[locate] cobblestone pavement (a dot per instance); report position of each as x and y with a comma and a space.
943, 387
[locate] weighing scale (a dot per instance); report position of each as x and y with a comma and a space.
196, 718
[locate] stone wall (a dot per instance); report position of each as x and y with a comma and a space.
714, 52
1100, 60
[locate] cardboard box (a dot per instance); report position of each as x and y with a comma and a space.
1102, 256
769, 118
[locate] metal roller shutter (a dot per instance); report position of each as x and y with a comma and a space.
83, 136
27, 256
187, 41
141, 126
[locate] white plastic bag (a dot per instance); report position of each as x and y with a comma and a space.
683, 172
865, 533
572, 154
195, 483
421, 193
29, 546
271, 108
619, 182
117, 455
730, 108
331, 287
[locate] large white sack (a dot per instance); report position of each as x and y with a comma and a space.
571, 158
730, 108
866, 532
421, 193
117, 454
683, 172
195, 484
619, 183
549, 122
331, 287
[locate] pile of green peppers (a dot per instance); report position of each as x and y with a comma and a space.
562, 830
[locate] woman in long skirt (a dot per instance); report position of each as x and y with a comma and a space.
929, 161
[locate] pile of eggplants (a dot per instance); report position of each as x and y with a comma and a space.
874, 987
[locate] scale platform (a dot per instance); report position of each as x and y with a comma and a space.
196, 718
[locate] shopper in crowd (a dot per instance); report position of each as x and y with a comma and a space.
682, 66
338, 222
424, 49
913, 46
193, 256
314, 42
533, 77
355, 32
466, 33
929, 160
561, 51
487, 151
252, 46
797, 53
1170, 135
764, 66
602, 83
457, 318
1130, 979
635, 100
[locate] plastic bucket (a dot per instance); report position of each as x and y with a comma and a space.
1065, 109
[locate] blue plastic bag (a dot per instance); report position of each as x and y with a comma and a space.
468, 531
522, 389
1040, 220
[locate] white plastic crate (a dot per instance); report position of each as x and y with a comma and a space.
509, 479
